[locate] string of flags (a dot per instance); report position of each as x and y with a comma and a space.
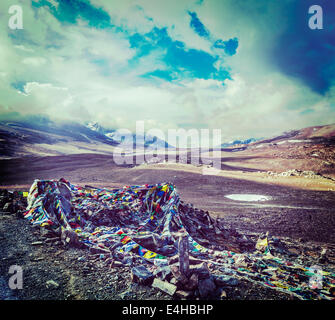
104, 217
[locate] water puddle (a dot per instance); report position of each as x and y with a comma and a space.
248, 197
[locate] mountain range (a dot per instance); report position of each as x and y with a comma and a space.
130, 140
310, 149
35, 136
238, 142
43, 137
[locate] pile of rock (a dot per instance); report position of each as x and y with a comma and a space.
296, 173
213, 233
12, 202
196, 282
153, 160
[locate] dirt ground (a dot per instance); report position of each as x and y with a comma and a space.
79, 274
292, 211
299, 214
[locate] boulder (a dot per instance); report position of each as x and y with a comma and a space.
163, 272
225, 281
51, 284
70, 237
192, 283
180, 278
207, 288
164, 286
201, 270
181, 294
141, 275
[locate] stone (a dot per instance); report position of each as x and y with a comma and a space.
192, 282
201, 270
69, 237
294, 251
127, 260
141, 275
183, 294
51, 284
45, 232
206, 287
323, 258
7, 206
241, 260
223, 280
223, 294
117, 264
50, 240
192, 261
37, 243
163, 272
126, 294
181, 278
98, 250
164, 286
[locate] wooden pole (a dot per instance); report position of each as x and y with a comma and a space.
183, 254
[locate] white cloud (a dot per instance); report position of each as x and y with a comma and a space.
34, 61
88, 76
23, 48
141, 16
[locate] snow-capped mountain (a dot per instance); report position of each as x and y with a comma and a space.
95, 126
129, 140
238, 142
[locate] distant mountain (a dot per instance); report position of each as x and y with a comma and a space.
37, 136
238, 142
95, 126
20, 138
131, 140
307, 149
316, 134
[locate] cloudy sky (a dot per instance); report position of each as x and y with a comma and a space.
250, 68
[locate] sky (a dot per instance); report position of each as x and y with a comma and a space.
250, 68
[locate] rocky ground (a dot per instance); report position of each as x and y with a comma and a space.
51, 271
54, 271
317, 156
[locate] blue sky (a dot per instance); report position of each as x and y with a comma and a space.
250, 68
